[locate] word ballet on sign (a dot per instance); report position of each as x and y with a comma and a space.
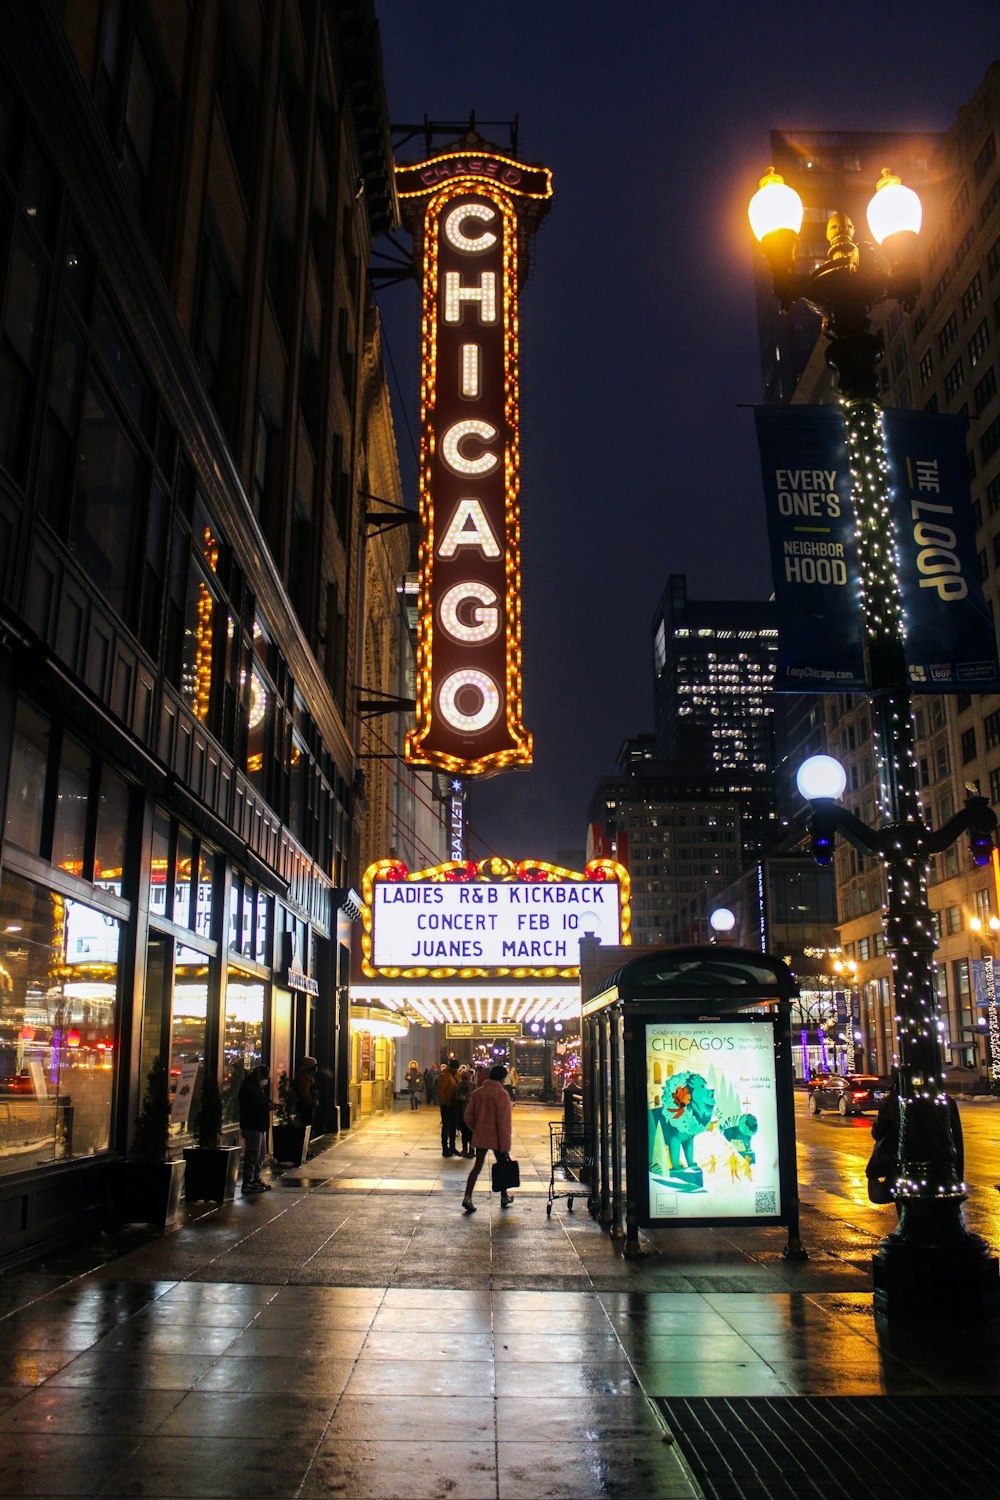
470, 213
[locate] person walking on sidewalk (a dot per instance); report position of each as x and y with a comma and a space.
255, 1114
462, 1096
488, 1114
447, 1089
414, 1083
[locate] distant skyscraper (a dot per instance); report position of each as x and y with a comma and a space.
713, 668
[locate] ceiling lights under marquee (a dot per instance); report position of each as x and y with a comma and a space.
471, 212
502, 919
482, 1004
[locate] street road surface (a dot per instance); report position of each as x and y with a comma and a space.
832, 1153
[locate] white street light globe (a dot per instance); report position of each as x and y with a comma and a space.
722, 920
774, 205
821, 776
894, 208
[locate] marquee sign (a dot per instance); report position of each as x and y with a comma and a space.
470, 213
495, 918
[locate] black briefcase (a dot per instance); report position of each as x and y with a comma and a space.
506, 1174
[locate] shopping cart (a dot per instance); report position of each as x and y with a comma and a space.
567, 1154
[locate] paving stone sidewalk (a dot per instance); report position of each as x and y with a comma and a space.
354, 1333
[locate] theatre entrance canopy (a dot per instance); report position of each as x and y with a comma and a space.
483, 943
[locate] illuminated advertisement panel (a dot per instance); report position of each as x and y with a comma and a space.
470, 215
712, 1121
495, 919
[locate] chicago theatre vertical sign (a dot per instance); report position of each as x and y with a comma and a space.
471, 213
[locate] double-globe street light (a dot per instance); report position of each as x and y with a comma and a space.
931, 1265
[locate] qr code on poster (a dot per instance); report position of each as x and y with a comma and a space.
765, 1202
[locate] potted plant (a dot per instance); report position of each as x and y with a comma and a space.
289, 1137
147, 1187
210, 1168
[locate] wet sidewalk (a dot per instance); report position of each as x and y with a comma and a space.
354, 1333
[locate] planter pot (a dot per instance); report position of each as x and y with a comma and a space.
289, 1143
148, 1192
210, 1172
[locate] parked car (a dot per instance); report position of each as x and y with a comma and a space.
848, 1093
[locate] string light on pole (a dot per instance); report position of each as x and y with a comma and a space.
932, 1265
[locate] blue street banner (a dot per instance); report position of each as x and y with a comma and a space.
980, 981
951, 640
810, 526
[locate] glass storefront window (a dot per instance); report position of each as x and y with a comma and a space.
203, 911
187, 1030
26, 791
72, 802
182, 878
264, 905
112, 832
234, 913
160, 869
243, 1036
198, 650
245, 943
58, 989
259, 730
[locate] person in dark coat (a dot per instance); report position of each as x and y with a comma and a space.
255, 1115
306, 1090
447, 1090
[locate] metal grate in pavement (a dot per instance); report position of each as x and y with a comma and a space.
812, 1447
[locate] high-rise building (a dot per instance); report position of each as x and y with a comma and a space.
193, 421
713, 669
679, 835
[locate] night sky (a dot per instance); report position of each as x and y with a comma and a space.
638, 336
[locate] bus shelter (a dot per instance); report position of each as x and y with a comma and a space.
688, 1104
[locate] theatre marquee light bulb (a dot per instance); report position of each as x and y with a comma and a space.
471, 371
487, 619
484, 715
461, 534
452, 442
455, 294
453, 228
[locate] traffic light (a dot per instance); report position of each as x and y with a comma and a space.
822, 827
981, 846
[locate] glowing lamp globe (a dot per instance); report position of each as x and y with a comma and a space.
821, 776
895, 209
722, 920
774, 205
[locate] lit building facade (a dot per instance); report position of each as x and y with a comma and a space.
192, 403
679, 836
713, 670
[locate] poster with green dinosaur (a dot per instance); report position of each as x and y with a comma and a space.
712, 1120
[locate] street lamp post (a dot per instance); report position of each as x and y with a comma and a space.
989, 935
930, 1266
847, 971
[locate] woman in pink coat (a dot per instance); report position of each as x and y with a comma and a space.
488, 1116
